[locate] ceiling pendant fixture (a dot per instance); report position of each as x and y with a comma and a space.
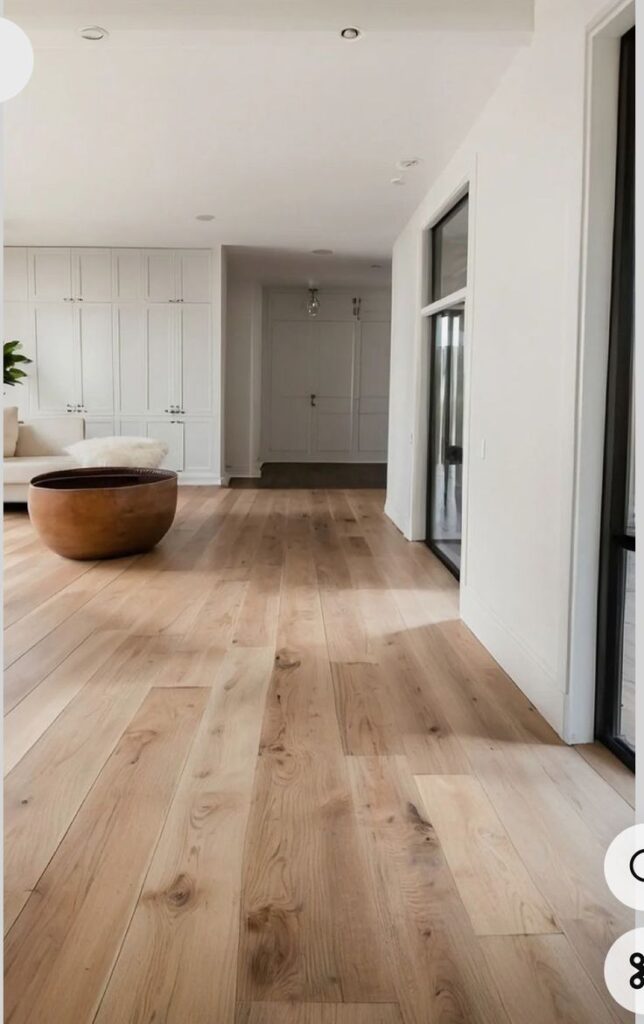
313, 305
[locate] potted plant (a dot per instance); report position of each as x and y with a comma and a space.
13, 360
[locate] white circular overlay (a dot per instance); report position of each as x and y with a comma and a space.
624, 867
16, 59
624, 970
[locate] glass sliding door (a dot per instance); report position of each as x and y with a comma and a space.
445, 464
615, 702
445, 314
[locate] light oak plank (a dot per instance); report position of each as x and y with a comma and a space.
496, 889
178, 960
44, 791
545, 967
319, 1013
26, 723
438, 968
59, 954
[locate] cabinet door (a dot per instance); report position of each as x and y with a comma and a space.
55, 353
195, 358
172, 433
19, 326
99, 426
16, 276
198, 442
131, 357
92, 275
373, 404
51, 274
94, 326
334, 363
193, 268
161, 325
291, 386
160, 275
127, 274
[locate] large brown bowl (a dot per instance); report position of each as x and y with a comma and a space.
102, 512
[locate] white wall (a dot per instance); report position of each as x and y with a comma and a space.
243, 377
524, 160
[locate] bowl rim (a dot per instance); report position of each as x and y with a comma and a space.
160, 476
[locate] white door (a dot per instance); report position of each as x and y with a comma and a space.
92, 275
161, 322
292, 380
131, 357
333, 359
160, 275
55, 350
170, 431
193, 268
16, 274
195, 358
94, 326
198, 441
19, 326
51, 275
373, 404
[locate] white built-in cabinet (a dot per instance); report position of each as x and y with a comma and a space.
123, 337
326, 380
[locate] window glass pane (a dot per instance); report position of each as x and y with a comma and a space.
445, 469
449, 253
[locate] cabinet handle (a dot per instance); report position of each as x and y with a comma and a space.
68, 299
313, 397
77, 300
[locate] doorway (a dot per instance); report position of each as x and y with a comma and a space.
615, 691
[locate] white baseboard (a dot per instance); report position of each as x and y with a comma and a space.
202, 481
532, 677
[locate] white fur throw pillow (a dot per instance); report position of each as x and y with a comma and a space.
10, 431
138, 452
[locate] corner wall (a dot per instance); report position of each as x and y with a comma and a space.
524, 160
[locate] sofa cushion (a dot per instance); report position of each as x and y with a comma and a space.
10, 430
138, 452
21, 471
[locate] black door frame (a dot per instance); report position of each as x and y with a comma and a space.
615, 541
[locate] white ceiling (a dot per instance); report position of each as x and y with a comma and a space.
291, 267
286, 133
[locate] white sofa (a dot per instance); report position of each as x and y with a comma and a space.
40, 449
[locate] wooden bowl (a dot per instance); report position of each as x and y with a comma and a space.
102, 512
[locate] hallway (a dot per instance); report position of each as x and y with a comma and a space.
264, 775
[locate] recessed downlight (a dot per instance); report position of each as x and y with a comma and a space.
397, 181
351, 32
322, 252
407, 163
205, 216
94, 33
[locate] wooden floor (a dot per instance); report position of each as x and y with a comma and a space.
263, 775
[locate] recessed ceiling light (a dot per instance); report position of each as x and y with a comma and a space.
405, 165
94, 33
351, 33
205, 216
322, 252
397, 181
